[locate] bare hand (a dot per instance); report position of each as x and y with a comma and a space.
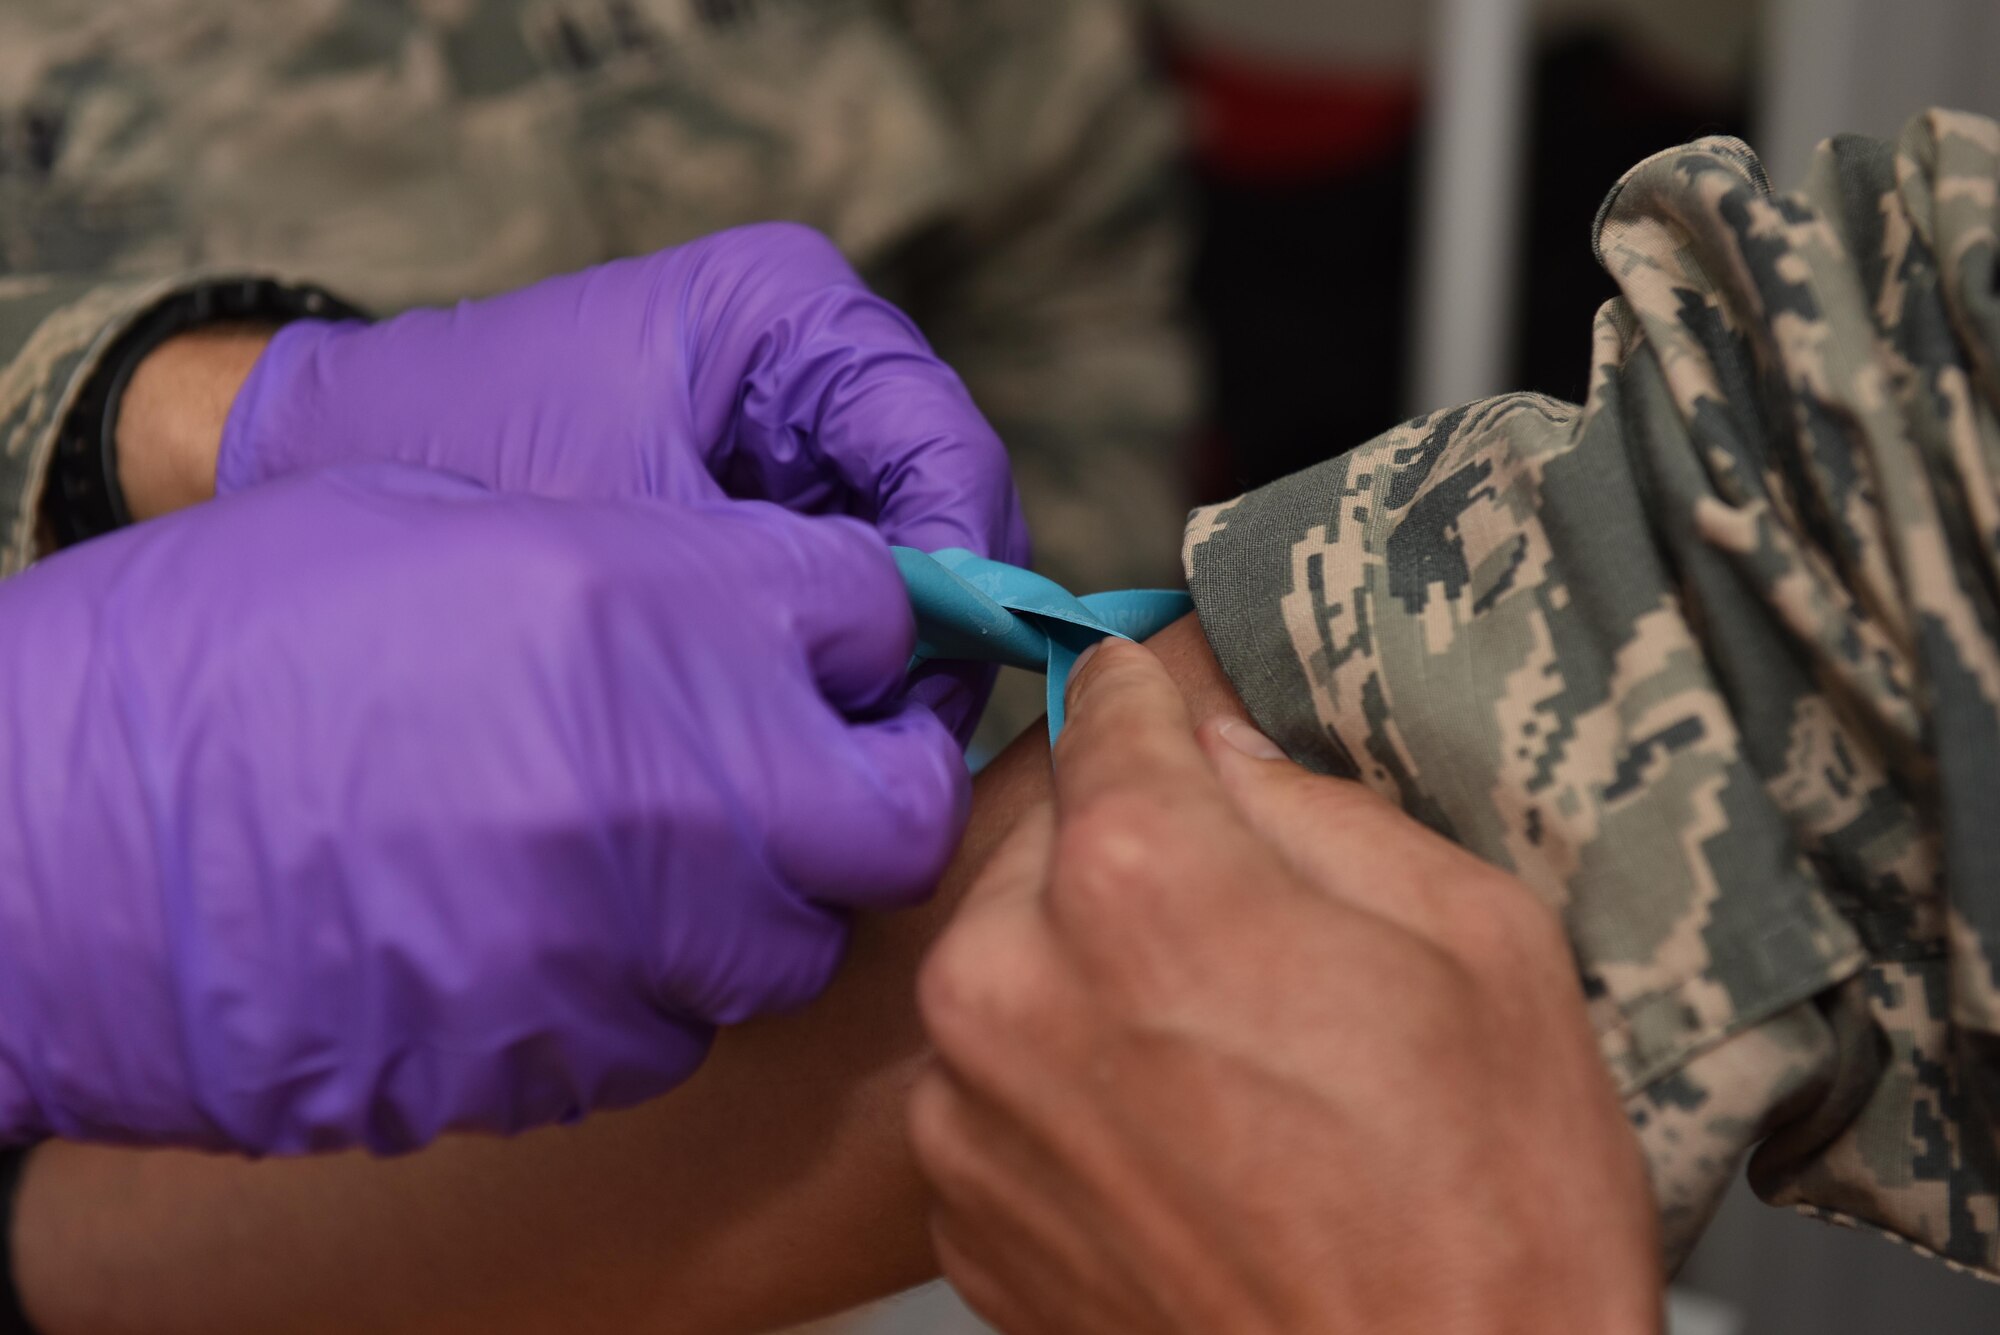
1227, 1046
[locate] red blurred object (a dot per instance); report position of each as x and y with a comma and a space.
1257, 121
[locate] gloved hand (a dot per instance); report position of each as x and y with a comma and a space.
370, 804
752, 364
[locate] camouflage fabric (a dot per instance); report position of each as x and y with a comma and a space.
1001, 167
1713, 662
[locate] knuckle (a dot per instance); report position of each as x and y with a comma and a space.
1128, 898
1110, 854
792, 238
797, 250
972, 990
548, 587
934, 1131
555, 562
1499, 924
1125, 831
948, 990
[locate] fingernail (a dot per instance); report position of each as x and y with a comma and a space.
1242, 737
1076, 668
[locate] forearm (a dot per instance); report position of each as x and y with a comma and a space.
660, 1217
771, 1187
775, 1186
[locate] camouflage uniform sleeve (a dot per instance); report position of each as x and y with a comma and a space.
53, 330
1713, 662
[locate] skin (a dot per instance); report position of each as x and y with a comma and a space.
170, 420
773, 1187
1226, 1045
776, 1186
781, 1183
666, 1216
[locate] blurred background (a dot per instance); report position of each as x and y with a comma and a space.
1428, 170
1437, 163
1387, 209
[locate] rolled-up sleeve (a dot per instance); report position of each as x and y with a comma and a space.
1713, 662
54, 330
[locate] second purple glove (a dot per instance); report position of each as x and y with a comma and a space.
751, 364
370, 804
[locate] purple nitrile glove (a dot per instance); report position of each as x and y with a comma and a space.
752, 364
371, 804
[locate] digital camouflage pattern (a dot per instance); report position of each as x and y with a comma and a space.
1002, 168
1711, 662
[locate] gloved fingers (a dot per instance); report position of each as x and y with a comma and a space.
764, 948
956, 692
836, 588
919, 459
551, 389
872, 824
816, 394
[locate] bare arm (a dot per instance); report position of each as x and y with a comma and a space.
774, 1187
170, 423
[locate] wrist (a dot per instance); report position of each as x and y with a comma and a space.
169, 428
173, 433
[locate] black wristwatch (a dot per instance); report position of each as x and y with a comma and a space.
82, 497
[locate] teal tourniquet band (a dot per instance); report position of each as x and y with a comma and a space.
970, 607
